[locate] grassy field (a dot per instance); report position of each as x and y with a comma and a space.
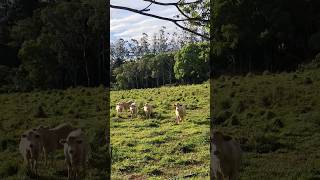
276, 117
277, 120
158, 148
82, 107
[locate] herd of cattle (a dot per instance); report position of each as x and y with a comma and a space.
180, 110
225, 151
45, 141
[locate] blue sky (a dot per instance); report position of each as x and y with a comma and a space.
127, 25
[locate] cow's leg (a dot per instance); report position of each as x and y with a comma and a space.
35, 168
69, 170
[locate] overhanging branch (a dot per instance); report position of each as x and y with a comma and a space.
175, 21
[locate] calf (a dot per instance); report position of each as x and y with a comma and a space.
30, 148
76, 152
50, 137
180, 112
225, 157
133, 110
147, 108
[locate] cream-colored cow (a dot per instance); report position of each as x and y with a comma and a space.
180, 112
225, 157
133, 110
147, 108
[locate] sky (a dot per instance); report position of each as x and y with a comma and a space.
128, 25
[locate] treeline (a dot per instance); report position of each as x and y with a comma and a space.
53, 44
165, 59
253, 36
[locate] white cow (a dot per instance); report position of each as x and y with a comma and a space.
180, 112
76, 151
30, 149
147, 108
133, 110
119, 108
225, 157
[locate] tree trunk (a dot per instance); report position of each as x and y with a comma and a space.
163, 79
157, 81
85, 60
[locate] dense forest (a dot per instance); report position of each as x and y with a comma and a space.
58, 44
254, 36
53, 44
166, 59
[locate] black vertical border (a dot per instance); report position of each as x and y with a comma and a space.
211, 61
107, 99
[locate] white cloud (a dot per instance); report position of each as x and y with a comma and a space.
129, 25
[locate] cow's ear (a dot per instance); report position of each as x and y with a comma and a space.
226, 138
62, 141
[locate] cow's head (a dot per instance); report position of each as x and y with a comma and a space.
218, 137
32, 139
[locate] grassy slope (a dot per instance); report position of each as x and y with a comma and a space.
82, 107
277, 119
158, 148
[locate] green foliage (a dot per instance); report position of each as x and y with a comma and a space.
253, 36
192, 63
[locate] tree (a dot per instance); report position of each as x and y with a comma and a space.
192, 63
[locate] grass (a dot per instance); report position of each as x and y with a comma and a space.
82, 107
276, 117
158, 148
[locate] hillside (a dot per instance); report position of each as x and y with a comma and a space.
277, 119
158, 148
82, 107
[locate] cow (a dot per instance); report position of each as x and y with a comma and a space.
126, 105
133, 110
30, 149
180, 112
225, 157
147, 108
50, 137
119, 108
76, 151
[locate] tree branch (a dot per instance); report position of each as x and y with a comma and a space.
177, 4
173, 4
175, 21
